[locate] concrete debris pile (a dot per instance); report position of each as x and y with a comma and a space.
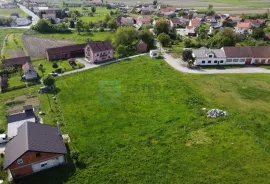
214, 113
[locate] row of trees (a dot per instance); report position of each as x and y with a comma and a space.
44, 26
5, 21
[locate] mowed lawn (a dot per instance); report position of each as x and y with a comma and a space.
13, 46
140, 121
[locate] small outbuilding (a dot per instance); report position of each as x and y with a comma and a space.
154, 53
142, 46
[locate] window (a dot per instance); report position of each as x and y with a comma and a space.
242, 60
209, 61
203, 61
43, 164
20, 161
235, 60
37, 154
97, 54
229, 60
215, 61
210, 56
221, 61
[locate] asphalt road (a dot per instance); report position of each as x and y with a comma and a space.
35, 18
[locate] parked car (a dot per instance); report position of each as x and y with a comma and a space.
54, 74
3, 138
169, 50
45, 89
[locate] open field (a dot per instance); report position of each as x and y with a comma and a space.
36, 46
7, 12
98, 16
140, 121
82, 38
13, 46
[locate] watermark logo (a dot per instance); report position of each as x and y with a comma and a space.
109, 91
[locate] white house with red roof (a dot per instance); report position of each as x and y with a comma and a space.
190, 31
141, 21
195, 22
255, 23
243, 28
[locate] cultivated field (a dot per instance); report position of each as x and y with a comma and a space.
37, 46
18, 52
140, 121
7, 12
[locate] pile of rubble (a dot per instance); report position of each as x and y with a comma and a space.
213, 113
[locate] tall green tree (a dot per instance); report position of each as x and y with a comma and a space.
162, 26
49, 81
226, 37
147, 37
93, 9
112, 24
258, 33
187, 57
125, 36
79, 26
164, 39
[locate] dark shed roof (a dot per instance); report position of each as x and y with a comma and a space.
69, 48
238, 52
16, 61
261, 51
34, 137
27, 107
20, 116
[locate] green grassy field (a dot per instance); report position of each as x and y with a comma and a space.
7, 12
13, 41
140, 121
82, 38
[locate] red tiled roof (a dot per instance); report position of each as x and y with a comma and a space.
165, 10
244, 25
145, 20
175, 20
190, 27
238, 52
261, 51
16, 61
195, 22
255, 22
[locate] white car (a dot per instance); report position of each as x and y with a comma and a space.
3, 138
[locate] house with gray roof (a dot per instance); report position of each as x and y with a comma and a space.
35, 148
204, 56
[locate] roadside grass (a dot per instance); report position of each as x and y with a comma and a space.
4, 33
140, 121
48, 68
82, 37
8, 12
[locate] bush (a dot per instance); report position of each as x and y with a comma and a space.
55, 65
58, 70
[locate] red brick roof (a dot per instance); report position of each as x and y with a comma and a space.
175, 20
195, 22
247, 52
190, 27
165, 10
100, 46
244, 25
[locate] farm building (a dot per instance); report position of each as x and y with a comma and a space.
232, 56
16, 120
65, 52
142, 46
29, 71
19, 61
35, 148
99, 51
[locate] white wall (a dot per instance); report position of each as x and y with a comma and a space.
199, 61
48, 163
236, 61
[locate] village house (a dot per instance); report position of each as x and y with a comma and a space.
243, 28
22, 21
195, 22
255, 23
98, 52
65, 52
175, 22
141, 21
35, 148
261, 54
142, 46
127, 21
190, 31
235, 19
29, 72
8, 5
167, 11
16, 120
204, 56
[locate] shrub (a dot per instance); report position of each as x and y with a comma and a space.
55, 65
58, 70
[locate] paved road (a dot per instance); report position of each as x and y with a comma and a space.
35, 18
89, 66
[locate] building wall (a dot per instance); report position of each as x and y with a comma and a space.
29, 158
142, 47
30, 75
243, 30
237, 61
261, 60
98, 56
210, 61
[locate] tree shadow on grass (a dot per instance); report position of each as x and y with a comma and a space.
57, 175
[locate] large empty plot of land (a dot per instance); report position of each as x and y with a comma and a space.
36, 46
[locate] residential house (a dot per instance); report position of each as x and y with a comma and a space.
35, 148
243, 28
16, 120
142, 46
255, 23
175, 22
22, 21
204, 56
190, 31
235, 19
98, 52
195, 23
127, 21
29, 71
65, 52
141, 21
167, 11
238, 55
15, 62
8, 5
